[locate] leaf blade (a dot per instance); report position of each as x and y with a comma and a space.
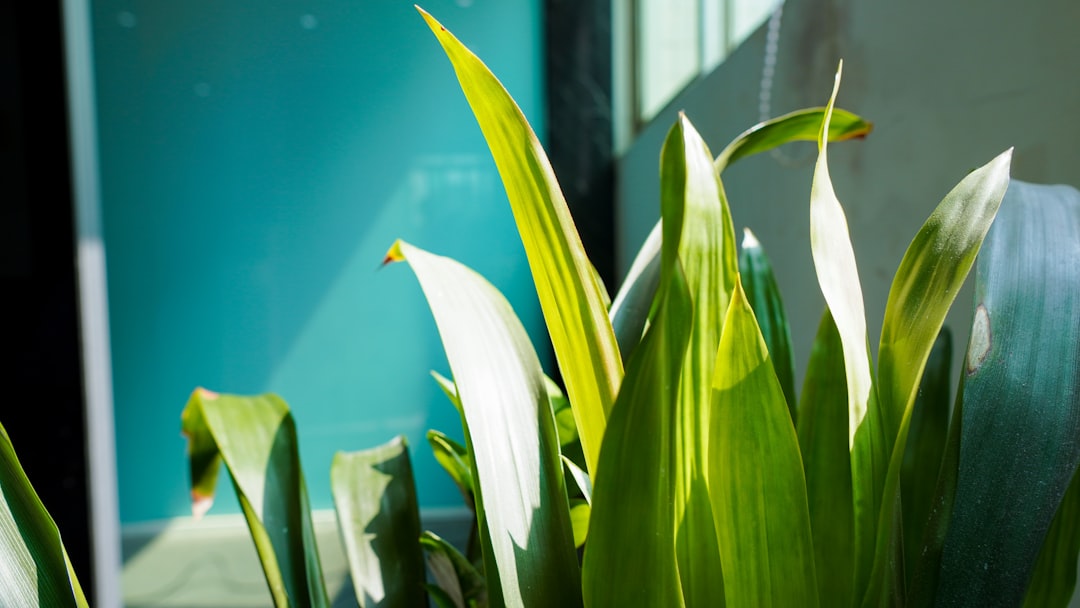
255, 437
1022, 360
34, 566
379, 523
756, 474
511, 429
570, 297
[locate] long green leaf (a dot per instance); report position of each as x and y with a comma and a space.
256, 439
570, 297
756, 475
925, 447
800, 125
823, 441
933, 269
511, 429
1054, 579
834, 261
34, 567
763, 293
697, 229
1019, 445
630, 556
379, 521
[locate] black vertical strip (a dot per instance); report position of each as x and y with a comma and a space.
43, 406
579, 139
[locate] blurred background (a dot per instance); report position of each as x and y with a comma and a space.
200, 194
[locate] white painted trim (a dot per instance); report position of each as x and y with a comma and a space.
93, 305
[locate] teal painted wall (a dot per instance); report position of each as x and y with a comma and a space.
258, 158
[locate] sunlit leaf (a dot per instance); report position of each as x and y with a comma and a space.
255, 437
511, 431
379, 521
834, 261
698, 230
570, 297
756, 475
34, 567
630, 555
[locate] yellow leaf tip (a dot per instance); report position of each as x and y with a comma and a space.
205, 394
394, 254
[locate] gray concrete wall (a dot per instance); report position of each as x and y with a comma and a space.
948, 86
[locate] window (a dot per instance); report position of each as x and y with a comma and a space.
667, 44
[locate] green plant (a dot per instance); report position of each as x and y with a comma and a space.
701, 479
34, 567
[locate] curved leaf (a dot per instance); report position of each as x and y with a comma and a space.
34, 566
379, 522
256, 439
511, 431
834, 261
570, 296
1018, 450
800, 125
763, 293
756, 475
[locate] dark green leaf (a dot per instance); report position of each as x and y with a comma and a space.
925, 447
823, 441
256, 439
1054, 579
764, 295
1019, 446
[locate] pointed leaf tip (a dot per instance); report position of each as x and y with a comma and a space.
200, 504
749, 241
394, 254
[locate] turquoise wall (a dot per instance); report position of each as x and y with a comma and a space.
258, 158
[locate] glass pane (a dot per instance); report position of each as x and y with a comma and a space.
747, 16
668, 43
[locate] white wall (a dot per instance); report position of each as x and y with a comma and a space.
948, 85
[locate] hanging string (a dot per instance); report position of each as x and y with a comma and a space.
768, 72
